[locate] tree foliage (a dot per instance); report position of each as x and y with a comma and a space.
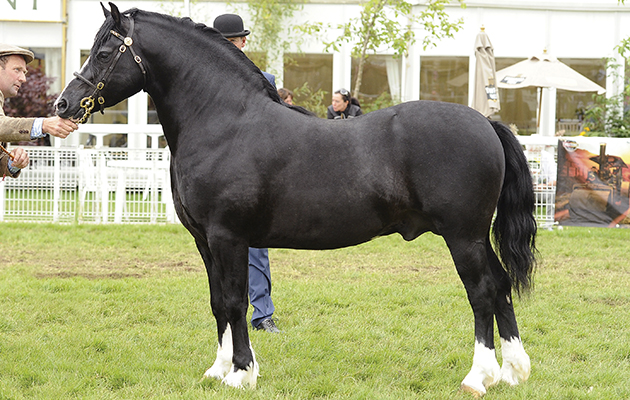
311, 100
270, 32
610, 115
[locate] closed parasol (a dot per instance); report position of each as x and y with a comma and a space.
486, 95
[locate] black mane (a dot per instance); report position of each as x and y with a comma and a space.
210, 33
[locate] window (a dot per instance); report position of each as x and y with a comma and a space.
314, 70
444, 79
381, 74
571, 105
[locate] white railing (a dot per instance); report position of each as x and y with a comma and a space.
90, 185
121, 185
542, 153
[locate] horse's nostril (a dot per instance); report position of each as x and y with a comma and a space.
61, 106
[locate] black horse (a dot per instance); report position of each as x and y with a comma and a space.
250, 171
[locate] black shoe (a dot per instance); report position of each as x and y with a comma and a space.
268, 325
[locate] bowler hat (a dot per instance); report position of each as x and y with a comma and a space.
7, 50
230, 25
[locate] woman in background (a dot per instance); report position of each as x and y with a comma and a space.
344, 106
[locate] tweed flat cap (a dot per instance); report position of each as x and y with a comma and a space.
7, 50
230, 25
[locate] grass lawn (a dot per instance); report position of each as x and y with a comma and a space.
122, 312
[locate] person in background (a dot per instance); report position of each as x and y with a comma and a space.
286, 95
344, 106
13, 72
231, 27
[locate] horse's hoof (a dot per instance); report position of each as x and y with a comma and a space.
215, 372
514, 374
242, 378
477, 393
220, 368
516, 364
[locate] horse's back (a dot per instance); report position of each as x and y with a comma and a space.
432, 123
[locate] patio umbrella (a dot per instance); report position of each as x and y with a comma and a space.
486, 96
545, 71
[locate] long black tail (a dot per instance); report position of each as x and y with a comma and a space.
515, 227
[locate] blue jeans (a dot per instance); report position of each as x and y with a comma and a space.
260, 285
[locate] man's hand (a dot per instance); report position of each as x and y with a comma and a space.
58, 126
20, 158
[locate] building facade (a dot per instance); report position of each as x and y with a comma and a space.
581, 33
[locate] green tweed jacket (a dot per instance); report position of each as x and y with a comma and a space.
12, 130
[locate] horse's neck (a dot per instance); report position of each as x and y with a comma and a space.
198, 77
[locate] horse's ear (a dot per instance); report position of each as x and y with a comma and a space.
105, 11
116, 15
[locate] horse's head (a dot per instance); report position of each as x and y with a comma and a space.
113, 71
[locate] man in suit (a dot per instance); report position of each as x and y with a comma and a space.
13, 71
231, 27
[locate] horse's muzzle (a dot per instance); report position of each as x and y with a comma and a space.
62, 109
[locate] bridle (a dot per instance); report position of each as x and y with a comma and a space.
87, 103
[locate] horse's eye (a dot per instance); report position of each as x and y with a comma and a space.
103, 55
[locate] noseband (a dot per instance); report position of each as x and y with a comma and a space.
87, 103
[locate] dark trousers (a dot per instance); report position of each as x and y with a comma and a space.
260, 285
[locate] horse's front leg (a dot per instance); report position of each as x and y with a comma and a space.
472, 265
226, 264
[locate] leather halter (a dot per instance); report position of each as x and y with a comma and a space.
87, 103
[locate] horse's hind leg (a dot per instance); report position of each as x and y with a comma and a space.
471, 262
236, 362
516, 365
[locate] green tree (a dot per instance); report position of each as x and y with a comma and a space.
312, 101
609, 115
271, 32
272, 36
379, 25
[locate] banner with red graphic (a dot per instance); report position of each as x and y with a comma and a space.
593, 182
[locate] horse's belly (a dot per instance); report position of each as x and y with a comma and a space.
334, 223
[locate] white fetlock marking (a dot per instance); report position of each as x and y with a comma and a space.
516, 365
223, 363
484, 373
223, 368
247, 377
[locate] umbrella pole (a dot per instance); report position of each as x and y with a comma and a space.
540, 90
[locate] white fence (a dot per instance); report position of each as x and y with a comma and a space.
90, 185
120, 185
541, 150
